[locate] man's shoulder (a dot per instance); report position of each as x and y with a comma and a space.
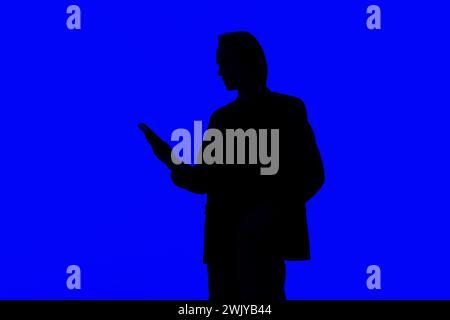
287, 100
223, 111
288, 104
283, 104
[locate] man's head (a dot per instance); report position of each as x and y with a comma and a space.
241, 61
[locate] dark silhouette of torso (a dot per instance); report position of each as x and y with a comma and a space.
254, 222
248, 213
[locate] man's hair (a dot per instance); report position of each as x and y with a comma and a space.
249, 50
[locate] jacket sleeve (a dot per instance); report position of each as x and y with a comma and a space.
301, 155
194, 178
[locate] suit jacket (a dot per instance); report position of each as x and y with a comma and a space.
249, 215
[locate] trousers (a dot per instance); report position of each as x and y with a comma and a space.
247, 281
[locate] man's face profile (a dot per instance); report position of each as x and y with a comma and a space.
230, 67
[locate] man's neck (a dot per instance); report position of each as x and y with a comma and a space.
248, 93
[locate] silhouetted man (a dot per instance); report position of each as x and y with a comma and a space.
254, 222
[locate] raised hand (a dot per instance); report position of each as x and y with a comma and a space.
161, 149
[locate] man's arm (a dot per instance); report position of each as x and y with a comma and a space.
304, 162
192, 178
161, 149
196, 178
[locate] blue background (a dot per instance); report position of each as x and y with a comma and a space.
80, 185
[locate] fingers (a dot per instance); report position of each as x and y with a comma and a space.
143, 127
148, 132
